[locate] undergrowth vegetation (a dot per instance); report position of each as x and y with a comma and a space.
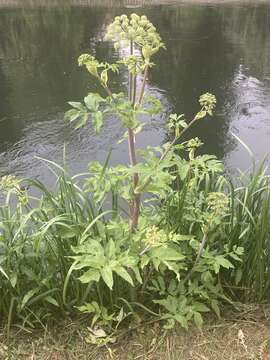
167, 236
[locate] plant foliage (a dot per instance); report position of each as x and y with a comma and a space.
160, 236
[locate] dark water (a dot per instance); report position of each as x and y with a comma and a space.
223, 49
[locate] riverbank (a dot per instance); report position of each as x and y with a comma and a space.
114, 3
241, 336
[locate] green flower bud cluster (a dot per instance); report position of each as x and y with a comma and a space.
155, 236
208, 210
93, 65
217, 203
134, 64
194, 143
176, 123
137, 29
10, 183
192, 146
208, 103
217, 207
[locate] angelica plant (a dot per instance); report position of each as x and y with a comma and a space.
138, 35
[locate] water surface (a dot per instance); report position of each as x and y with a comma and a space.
223, 49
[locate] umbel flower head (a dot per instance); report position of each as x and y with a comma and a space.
155, 236
137, 29
218, 203
9, 182
208, 102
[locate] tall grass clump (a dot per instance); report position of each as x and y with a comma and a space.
250, 228
36, 236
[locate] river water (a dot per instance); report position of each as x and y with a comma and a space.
223, 49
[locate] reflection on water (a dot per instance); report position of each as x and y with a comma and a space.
223, 49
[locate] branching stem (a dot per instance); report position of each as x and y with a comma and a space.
203, 242
143, 86
163, 156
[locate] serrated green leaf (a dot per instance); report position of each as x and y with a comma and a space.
28, 296
198, 320
166, 254
182, 123
216, 267
13, 279
76, 105
224, 262
90, 275
72, 115
183, 171
97, 120
124, 274
110, 249
215, 307
87, 261
107, 276
144, 260
181, 319
170, 304
200, 307
156, 263
87, 308
137, 274
235, 257
81, 120
92, 101
91, 246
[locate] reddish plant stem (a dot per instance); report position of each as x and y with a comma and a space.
134, 206
134, 90
137, 198
108, 91
135, 203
